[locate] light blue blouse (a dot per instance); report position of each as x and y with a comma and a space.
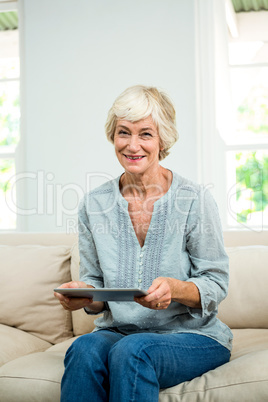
184, 241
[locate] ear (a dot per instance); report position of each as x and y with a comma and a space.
160, 149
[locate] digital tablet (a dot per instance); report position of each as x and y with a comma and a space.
104, 294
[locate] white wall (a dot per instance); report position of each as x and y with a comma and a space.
76, 57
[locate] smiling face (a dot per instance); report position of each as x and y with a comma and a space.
137, 145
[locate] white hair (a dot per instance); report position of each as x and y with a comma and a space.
139, 102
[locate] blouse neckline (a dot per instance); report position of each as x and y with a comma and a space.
158, 203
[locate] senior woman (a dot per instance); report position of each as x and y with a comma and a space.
153, 229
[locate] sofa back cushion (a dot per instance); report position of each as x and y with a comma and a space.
246, 305
29, 273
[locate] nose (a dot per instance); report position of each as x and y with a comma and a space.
133, 144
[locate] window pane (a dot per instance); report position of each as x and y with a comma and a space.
250, 98
9, 68
9, 54
251, 200
7, 217
9, 123
9, 113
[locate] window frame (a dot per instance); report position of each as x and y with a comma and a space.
9, 152
253, 144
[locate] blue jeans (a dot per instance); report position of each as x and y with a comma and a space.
109, 366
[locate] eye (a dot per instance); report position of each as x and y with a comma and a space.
146, 135
123, 133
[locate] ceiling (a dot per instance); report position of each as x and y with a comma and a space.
9, 19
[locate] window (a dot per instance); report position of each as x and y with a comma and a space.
9, 113
247, 146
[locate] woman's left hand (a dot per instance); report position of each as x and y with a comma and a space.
160, 294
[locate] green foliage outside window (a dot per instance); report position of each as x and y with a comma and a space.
253, 112
252, 167
9, 120
6, 167
7, 170
9, 138
252, 183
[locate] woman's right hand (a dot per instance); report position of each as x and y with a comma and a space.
76, 303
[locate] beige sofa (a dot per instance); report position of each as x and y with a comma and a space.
35, 331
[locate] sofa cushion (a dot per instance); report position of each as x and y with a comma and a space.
62, 347
37, 377
34, 378
248, 341
15, 343
29, 273
82, 323
246, 305
243, 379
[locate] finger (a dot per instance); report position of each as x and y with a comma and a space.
158, 289
69, 285
66, 285
73, 285
155, 284
152, 301
146, 300
162, 293
77, 284
154, 305
158, 294
76, 303
59, 296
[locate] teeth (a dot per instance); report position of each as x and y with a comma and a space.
134, 157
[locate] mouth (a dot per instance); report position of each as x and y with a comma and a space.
134, 157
